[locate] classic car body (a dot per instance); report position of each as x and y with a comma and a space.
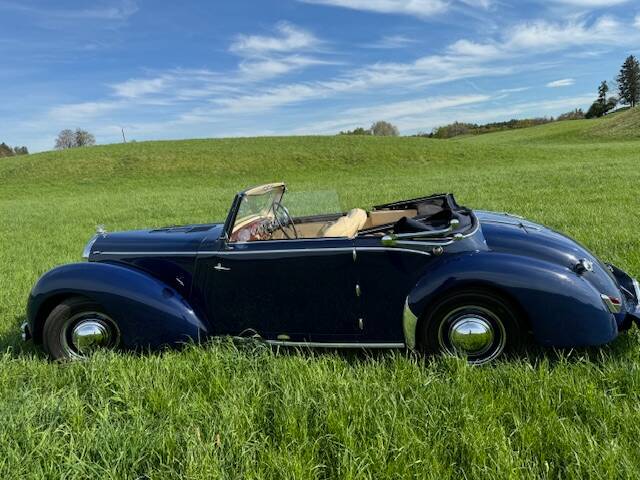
357, 279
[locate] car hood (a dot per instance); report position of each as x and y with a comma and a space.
180, 239
511, 234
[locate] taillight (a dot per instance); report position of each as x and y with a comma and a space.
614, 304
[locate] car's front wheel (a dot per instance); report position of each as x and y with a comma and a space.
478, 325
76, 328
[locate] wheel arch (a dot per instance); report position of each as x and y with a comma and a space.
45, 309
148, 312
560, 307
479, 286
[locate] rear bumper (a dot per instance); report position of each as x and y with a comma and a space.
26, 332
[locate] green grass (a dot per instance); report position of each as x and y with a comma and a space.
225, 411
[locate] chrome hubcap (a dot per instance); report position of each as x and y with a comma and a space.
87, 332
471, 335
472, 331
89, 335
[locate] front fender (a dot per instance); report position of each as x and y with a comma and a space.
149, 314
563, 309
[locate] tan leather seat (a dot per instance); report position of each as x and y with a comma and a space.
346, 226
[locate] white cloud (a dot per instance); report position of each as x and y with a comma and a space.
429, 70
395, 110
81, 111
417, 8
637, 21
592, 3
138, 87
565, 82
120, 10
291, 38
542, 35
473, 49
486, 4
515, 89
264, 68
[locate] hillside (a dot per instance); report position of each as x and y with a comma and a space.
222, 411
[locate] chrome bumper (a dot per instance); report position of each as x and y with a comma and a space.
26, 332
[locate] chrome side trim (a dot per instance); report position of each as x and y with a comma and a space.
636, 289
409, 326
288, 250
144, 254
282, 343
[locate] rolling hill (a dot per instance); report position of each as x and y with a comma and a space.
228, 411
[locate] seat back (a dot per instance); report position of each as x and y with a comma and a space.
346, 226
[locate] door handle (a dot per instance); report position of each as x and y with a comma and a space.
220, 268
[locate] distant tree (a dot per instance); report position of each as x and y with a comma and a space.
603, 89
66, 139
629, 82
69, 139
356, 131
459, 128
6, 150
596, 110
21, 151
576, 114
84, 138
384, 129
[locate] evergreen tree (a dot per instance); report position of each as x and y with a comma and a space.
603, 89
629, 82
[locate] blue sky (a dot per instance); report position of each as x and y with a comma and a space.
166, 69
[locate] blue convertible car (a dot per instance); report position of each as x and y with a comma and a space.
425, 274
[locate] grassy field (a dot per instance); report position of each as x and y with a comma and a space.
226, 411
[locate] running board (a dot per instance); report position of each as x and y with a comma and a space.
285, 343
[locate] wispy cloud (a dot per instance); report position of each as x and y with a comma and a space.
544, 36
270, 56
565, 82
119, 10
392, 41
514, 90
636, 23
417, 8
592, 3
138, 87
79, 112
290, 38
468, 48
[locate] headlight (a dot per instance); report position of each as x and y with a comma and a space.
87, 249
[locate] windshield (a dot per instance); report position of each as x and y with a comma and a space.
262, 215
257, 204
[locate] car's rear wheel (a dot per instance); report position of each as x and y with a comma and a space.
76, 328
478, 325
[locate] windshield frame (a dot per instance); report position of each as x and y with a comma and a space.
279, 188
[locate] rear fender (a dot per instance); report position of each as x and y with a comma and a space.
562, 308
149, 314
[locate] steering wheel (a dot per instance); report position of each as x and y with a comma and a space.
284, 220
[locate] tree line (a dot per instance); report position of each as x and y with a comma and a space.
7, 151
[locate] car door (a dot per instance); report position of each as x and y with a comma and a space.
385, 276
289, 290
